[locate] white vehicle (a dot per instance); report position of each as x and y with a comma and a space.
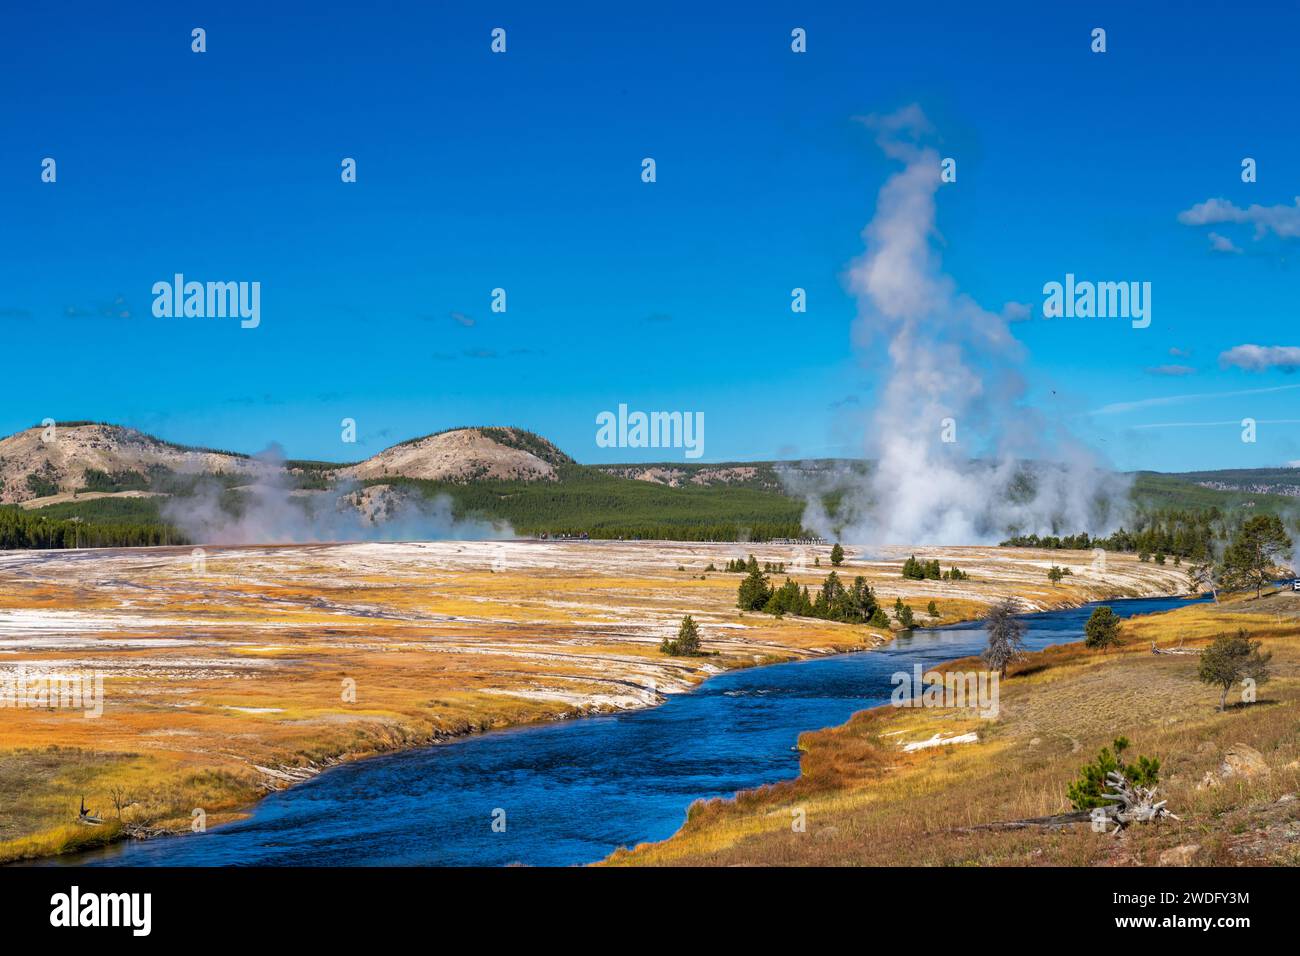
1295, 585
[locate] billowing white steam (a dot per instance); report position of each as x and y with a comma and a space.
947, 358
270, 511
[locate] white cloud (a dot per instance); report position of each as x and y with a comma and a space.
1017, 312
1282, 221
1172, 370
1223, 244
1260, 358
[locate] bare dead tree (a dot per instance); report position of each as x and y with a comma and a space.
1006, 636
120, 798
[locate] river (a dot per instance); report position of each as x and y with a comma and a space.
574, 791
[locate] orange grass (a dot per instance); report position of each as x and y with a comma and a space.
867, 803
218, 682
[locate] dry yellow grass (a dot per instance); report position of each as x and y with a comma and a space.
867, 803
226, 680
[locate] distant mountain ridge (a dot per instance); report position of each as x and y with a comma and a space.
1270, 481
104, 459
58, 460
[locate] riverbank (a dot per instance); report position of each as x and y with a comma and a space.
258, 667
866, 799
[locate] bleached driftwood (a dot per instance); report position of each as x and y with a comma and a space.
1132, 804
1173, 650
86, 817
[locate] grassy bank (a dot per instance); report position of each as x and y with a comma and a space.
223, 683
868, 802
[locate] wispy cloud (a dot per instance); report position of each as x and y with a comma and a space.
1235, 423
117, 309
1282, 221
1017, 312
487, 354
1171, 370
1220, 243
1116, 408
1261, 358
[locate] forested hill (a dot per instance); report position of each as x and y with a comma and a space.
101, 485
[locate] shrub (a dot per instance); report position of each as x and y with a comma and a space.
1086, 792
1231, 659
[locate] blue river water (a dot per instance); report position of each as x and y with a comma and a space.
574, 791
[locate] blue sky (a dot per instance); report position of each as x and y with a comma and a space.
522, 171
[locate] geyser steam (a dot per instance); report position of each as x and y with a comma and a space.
959, 458
269, 510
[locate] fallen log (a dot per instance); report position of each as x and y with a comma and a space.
1130, 804
1055, 822
1173, 650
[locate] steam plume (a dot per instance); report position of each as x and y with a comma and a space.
948, 358
269, 510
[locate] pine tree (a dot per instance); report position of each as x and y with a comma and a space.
688, 638
1088, 791
1253, 559
1102, 629
754, 591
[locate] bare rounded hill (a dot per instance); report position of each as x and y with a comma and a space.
466, 454
41, 465
40, 462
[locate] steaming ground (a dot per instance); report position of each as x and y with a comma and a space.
271, 510
226, 680
954, 442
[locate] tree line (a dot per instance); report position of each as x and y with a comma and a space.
930, 571
1187, 533
20, 529
852, 604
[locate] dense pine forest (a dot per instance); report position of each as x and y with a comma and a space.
586, 501
1172, 516
1184, 533
59, 527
